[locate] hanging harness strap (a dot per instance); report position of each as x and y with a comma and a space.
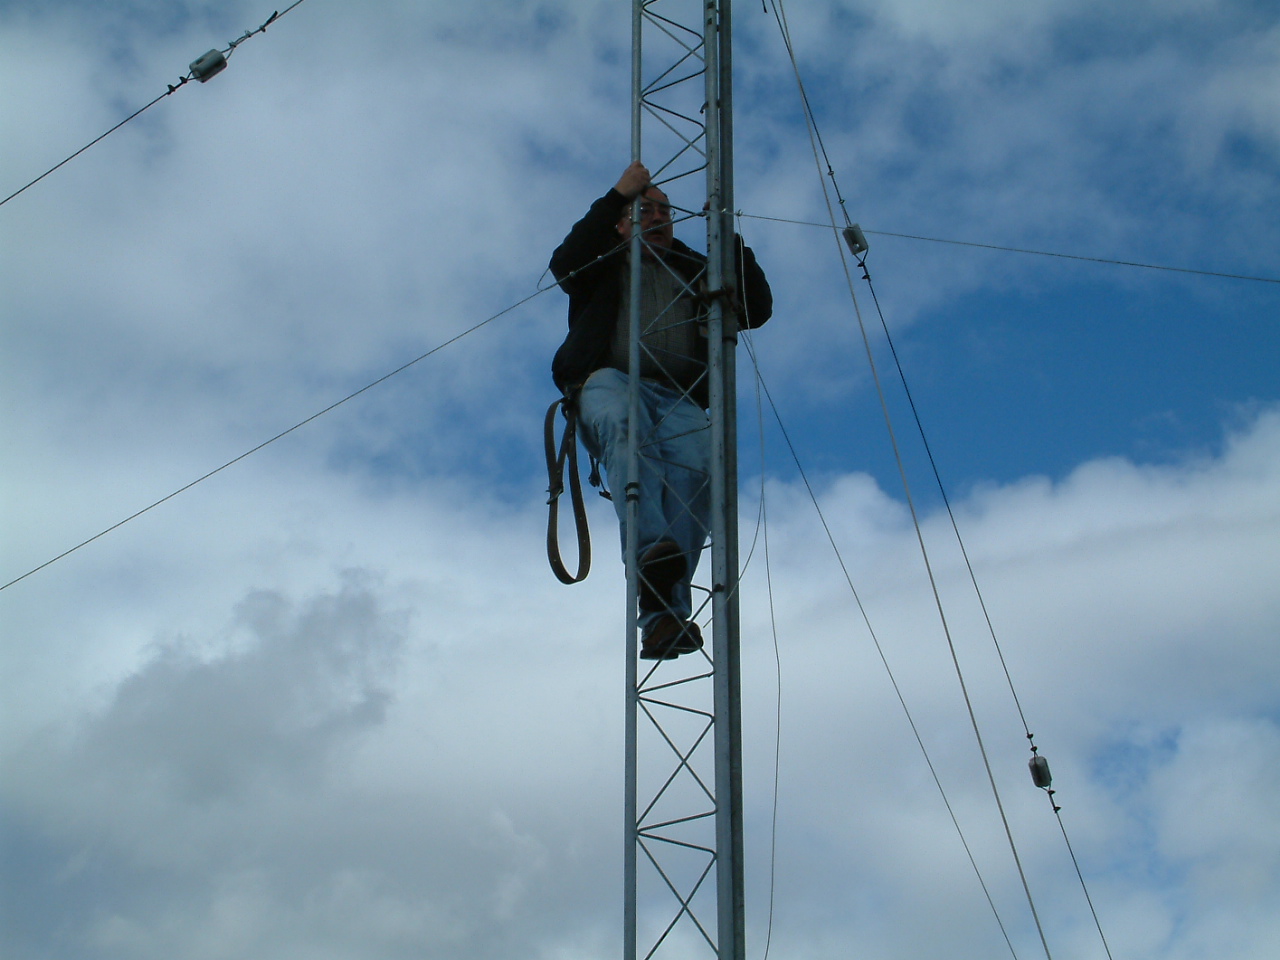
555, 471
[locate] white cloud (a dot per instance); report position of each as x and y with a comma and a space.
404, 762
1134, 607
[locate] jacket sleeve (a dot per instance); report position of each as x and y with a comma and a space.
757, 298
592, 237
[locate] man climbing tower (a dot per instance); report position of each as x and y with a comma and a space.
592, 265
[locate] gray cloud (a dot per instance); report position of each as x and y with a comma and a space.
304, 682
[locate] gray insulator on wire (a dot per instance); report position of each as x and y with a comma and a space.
1040, 775
857, 242
210, 65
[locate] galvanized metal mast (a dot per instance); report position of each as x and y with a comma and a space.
683, 793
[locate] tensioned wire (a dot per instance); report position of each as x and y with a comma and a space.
762, 533
279, 436
173, 88
302, 423
811, 127
816, 141
1024, 250
815, 135
777, 668
982, 603
763, 389
315, 416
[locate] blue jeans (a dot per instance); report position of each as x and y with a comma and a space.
675, 451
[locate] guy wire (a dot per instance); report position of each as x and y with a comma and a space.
281, 435
875, 640
173, 87
1035, 253
811, 124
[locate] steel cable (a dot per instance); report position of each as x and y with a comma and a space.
279, 436
173, 88
811, 125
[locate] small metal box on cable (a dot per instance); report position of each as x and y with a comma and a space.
209, 65
1040, 774
857, 241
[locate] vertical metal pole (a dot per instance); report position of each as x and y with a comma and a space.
711, 44
722, 338
632, 492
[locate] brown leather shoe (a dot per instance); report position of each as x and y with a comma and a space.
668, 637
662, 566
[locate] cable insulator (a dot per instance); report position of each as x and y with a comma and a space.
1040, 775
209, 65
856, 240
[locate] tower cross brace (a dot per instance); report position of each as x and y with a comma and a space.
683, 851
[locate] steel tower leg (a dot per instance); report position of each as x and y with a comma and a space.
630, 892
722, 336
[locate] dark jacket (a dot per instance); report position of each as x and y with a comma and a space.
594, 249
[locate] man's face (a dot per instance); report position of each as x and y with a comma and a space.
655, 219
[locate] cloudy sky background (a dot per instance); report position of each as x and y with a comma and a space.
331, 702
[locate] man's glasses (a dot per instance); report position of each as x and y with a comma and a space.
647, 210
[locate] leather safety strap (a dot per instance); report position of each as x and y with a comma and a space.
556, 461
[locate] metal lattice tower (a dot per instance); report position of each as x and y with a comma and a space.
683, 852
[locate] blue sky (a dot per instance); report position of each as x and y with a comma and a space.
1036, 381
331, 702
